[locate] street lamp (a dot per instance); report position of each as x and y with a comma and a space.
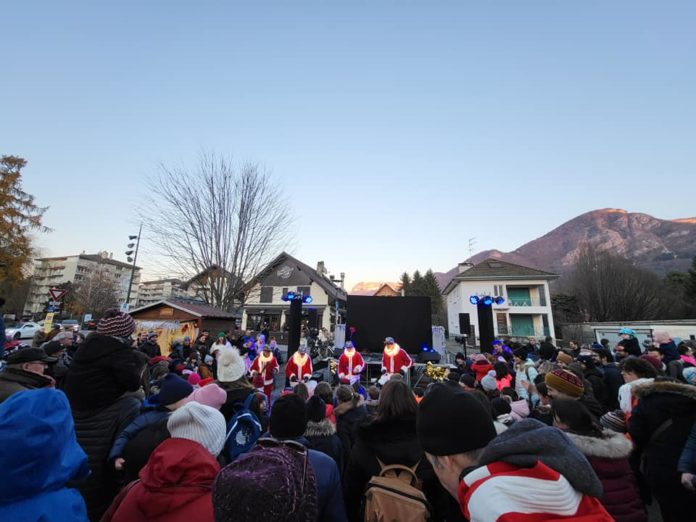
133, 259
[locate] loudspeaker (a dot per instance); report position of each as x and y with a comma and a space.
485, 323
464, 324
424, 357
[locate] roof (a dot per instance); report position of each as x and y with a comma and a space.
323, 281
373, 287
492, 269
201, 310
91, 257
160, 281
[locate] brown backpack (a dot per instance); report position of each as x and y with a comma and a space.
395, 495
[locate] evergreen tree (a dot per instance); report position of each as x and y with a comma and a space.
405, 283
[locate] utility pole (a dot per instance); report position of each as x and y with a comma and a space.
472, 242
135, 260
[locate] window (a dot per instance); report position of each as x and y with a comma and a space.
498, 290
304, 290
266, 294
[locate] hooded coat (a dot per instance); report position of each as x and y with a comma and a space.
103, 369
392, 441
175, 486
608, 456
660, 426
533, 469
39, 429
481, 369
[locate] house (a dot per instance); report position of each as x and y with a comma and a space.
526, 309
264, 306
52, 271
174, 319
377, 289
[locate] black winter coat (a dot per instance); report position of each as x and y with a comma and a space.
346, 425
392, 441
322, 437
596, 379
150, 349
612, 382
631, 346
547, 351
659, 426
103, 369
96, 432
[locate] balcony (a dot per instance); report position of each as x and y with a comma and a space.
525, 302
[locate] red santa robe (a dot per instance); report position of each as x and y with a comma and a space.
350, 365
267, 367
395, 359
299, 366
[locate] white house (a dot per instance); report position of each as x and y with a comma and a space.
526, 310
265, 306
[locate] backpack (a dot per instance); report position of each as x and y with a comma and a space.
243, 430
395, 495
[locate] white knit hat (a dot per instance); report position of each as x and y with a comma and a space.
230, 365
201, 424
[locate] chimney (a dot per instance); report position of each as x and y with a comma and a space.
321, 269
464, 266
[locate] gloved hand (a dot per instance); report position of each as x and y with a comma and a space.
384, 370
357, 370
306, 378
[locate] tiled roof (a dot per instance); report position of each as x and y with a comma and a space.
198, 309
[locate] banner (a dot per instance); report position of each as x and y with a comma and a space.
168, 332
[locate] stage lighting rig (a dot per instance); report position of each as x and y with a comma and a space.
486, 300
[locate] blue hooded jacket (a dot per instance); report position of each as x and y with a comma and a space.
40, 455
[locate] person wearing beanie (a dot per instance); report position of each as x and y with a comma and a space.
134, 445
177, 481
321, 433
629, 342
40, 459
288, 422
211, 395
563, 384
102, 386
563, 359
533, 469
193, 379
281, 472
263, 371
220, 344
151, 347
614, 421
488, 383
232, 378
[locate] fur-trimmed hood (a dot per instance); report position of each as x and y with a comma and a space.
677, 388
611, 445
323, 428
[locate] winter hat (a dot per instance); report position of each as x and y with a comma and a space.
564, 358
627, 331
520, 352
614, 421
689, 375
654, 361
288, 417
221, 335
52, 347
280, 471
205, 382
230, 365
212, 396
199, 423
193, 378
173, 389
661, 337
349, 344
316, 409
389, 340
152, 335
565, 382
452, 421
488, 382
116, 323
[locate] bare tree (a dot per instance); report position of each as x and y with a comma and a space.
96, 292
609, 288
216, 224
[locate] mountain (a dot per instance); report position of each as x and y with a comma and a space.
656, 244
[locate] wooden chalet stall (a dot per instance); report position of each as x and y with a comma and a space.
174, 319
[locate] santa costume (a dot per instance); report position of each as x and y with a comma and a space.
395, 359
299, 367
263, 371
350, 365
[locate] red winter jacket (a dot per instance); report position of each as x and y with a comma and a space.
481, 369
175, 486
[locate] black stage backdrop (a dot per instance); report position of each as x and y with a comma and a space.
406, 319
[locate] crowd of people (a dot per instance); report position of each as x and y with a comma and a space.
109, 428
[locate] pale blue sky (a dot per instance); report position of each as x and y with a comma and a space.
398, 129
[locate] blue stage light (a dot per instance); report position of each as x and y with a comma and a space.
474, 300
290, 296
488, 300
307, 299
499, 300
